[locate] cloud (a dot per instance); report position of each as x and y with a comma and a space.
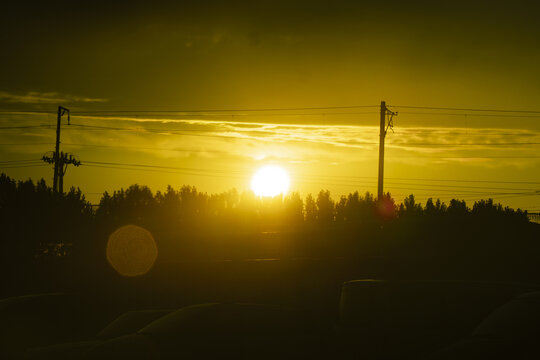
449, 141
35, 97
186, 137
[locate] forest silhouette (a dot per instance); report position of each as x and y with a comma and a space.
44, 227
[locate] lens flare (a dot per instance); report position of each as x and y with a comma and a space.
131, 250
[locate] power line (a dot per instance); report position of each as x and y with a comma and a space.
464, 144
464, 193
106, 127
23, 166
467, 197
514, 196
453, 190
161, 171
471, 181
468, 193
157, 167
26, 144
390, 178
84, 114
22, 112
373, 182
230, 110
465, 109
318, 176
23, 127
278, 109
19, 161
467, 157
126, 166
461, 132
142, 148
470, 114
157, 131
201, 113
461, 187
363, 143
436, 180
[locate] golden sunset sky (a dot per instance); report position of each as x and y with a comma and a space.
147, 84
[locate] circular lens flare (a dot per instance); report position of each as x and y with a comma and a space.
131, 250
270, 181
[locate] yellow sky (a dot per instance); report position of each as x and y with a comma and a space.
220, 152
130, 55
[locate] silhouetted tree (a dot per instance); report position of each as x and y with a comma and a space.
341, 207
410, 208
325, 207
294, 207
458, 208
310, 209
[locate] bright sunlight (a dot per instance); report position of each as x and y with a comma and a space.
270, 180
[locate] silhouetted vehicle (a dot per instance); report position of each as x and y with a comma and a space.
127, 323
213, 330
510, 332
411, 319
43, 319
377, 320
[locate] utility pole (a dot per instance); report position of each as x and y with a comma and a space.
382, 135
60, 159
61, 111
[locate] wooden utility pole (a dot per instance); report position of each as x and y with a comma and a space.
57, 166
382, 136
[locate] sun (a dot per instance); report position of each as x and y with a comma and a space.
270, 180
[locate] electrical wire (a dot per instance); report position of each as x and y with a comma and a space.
362, 143
460, 144
23, 127
162, 171
23, 166
18, 161
465, 109
345, 107
230, 110
144, 148
26, 144
127, 166
469, 114
345, 177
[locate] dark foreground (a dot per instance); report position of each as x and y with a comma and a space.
276, 309
446, 287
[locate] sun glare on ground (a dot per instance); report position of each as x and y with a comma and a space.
270, 180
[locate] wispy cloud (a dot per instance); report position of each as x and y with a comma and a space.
35, 97
425, 140
299, 143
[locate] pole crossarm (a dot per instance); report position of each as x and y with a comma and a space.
59, 159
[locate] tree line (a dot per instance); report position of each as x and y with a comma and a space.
42, 222
51, 239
